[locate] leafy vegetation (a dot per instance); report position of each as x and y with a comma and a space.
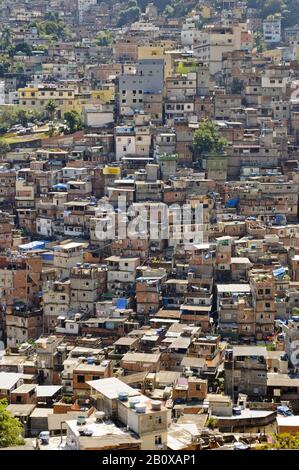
52, 27
184, 68
130, 14
105, 38
74, 121
51, 108
9, 116
283, 441
212, 423
207, 140
4, 148
286, 8
259, 41
173, 8
68, 400
10, 428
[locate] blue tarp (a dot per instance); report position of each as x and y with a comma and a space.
279, 219
121, 303
232, 203
47, 256
279, 272
38, 245
60, 186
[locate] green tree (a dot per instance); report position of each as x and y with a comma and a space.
284, 441
10, 428
104, 38
207, 140
212, 423
51, 108
5, 66
169, 10
6, 38
259, 41
23, 117
52, 28
74, 121
129, 15
286, 8
4, 148
22, 47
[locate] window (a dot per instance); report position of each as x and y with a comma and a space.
80, 379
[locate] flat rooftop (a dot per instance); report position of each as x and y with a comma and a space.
9, 380
250, 351
233, 288
111, 387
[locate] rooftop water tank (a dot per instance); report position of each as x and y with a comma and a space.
156, 405
44, 437
123, 396
237, 410
81, 420
133, 402
140, 408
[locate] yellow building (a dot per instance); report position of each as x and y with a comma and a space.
106, 94
66, 99
274, 55
112, 170
156, 52
36, 98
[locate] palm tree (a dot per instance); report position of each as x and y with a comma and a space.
6, 38
51, 107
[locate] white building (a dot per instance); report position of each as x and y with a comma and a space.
98, 115
125, 141
121, 273
272, 30
44, 226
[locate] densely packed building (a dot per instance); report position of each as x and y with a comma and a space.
149, 226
